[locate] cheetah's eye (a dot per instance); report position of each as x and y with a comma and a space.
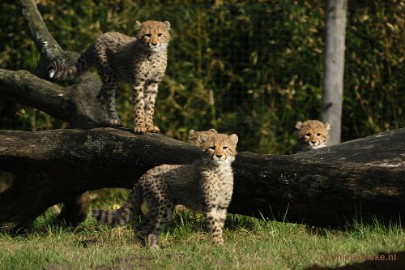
225, 147
148, 35
160, 34
308, 134
212, 147
319, 134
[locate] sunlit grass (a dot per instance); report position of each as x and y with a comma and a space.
250, 244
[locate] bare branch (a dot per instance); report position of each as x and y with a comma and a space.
76, 104
44, 41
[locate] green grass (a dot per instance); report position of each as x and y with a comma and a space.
250, 244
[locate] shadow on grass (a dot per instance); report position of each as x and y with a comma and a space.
381, 261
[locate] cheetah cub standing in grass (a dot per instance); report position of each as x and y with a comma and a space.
205, 185
312, 134
140, 61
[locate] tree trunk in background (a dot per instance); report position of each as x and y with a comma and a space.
334, 59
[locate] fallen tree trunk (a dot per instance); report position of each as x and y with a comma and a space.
364, 178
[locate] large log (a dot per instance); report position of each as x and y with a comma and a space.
329, 187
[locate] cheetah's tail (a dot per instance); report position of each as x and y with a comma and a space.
62, 70
124, 214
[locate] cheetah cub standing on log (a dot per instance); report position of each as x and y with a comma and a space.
140, 61
312, 134
205, 185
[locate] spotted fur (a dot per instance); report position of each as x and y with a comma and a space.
312, 134
205, 185
140, 61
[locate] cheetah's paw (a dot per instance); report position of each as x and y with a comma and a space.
152, 129
140, 130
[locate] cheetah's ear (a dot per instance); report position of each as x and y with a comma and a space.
327, 126
234, 138
167, 24
138, 25
191, 133
298, 125
202, 138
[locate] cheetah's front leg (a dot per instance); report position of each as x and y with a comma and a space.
150, 98
215, 222
139, 107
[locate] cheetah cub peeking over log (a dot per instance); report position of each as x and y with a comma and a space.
312, 134
204, 185
139, 61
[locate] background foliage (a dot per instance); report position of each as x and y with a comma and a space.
250, 67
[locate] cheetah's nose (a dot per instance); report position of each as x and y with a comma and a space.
219, 156
313, 142
154, 43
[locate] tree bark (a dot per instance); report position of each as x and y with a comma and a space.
334, 63
329, 187
76, 104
